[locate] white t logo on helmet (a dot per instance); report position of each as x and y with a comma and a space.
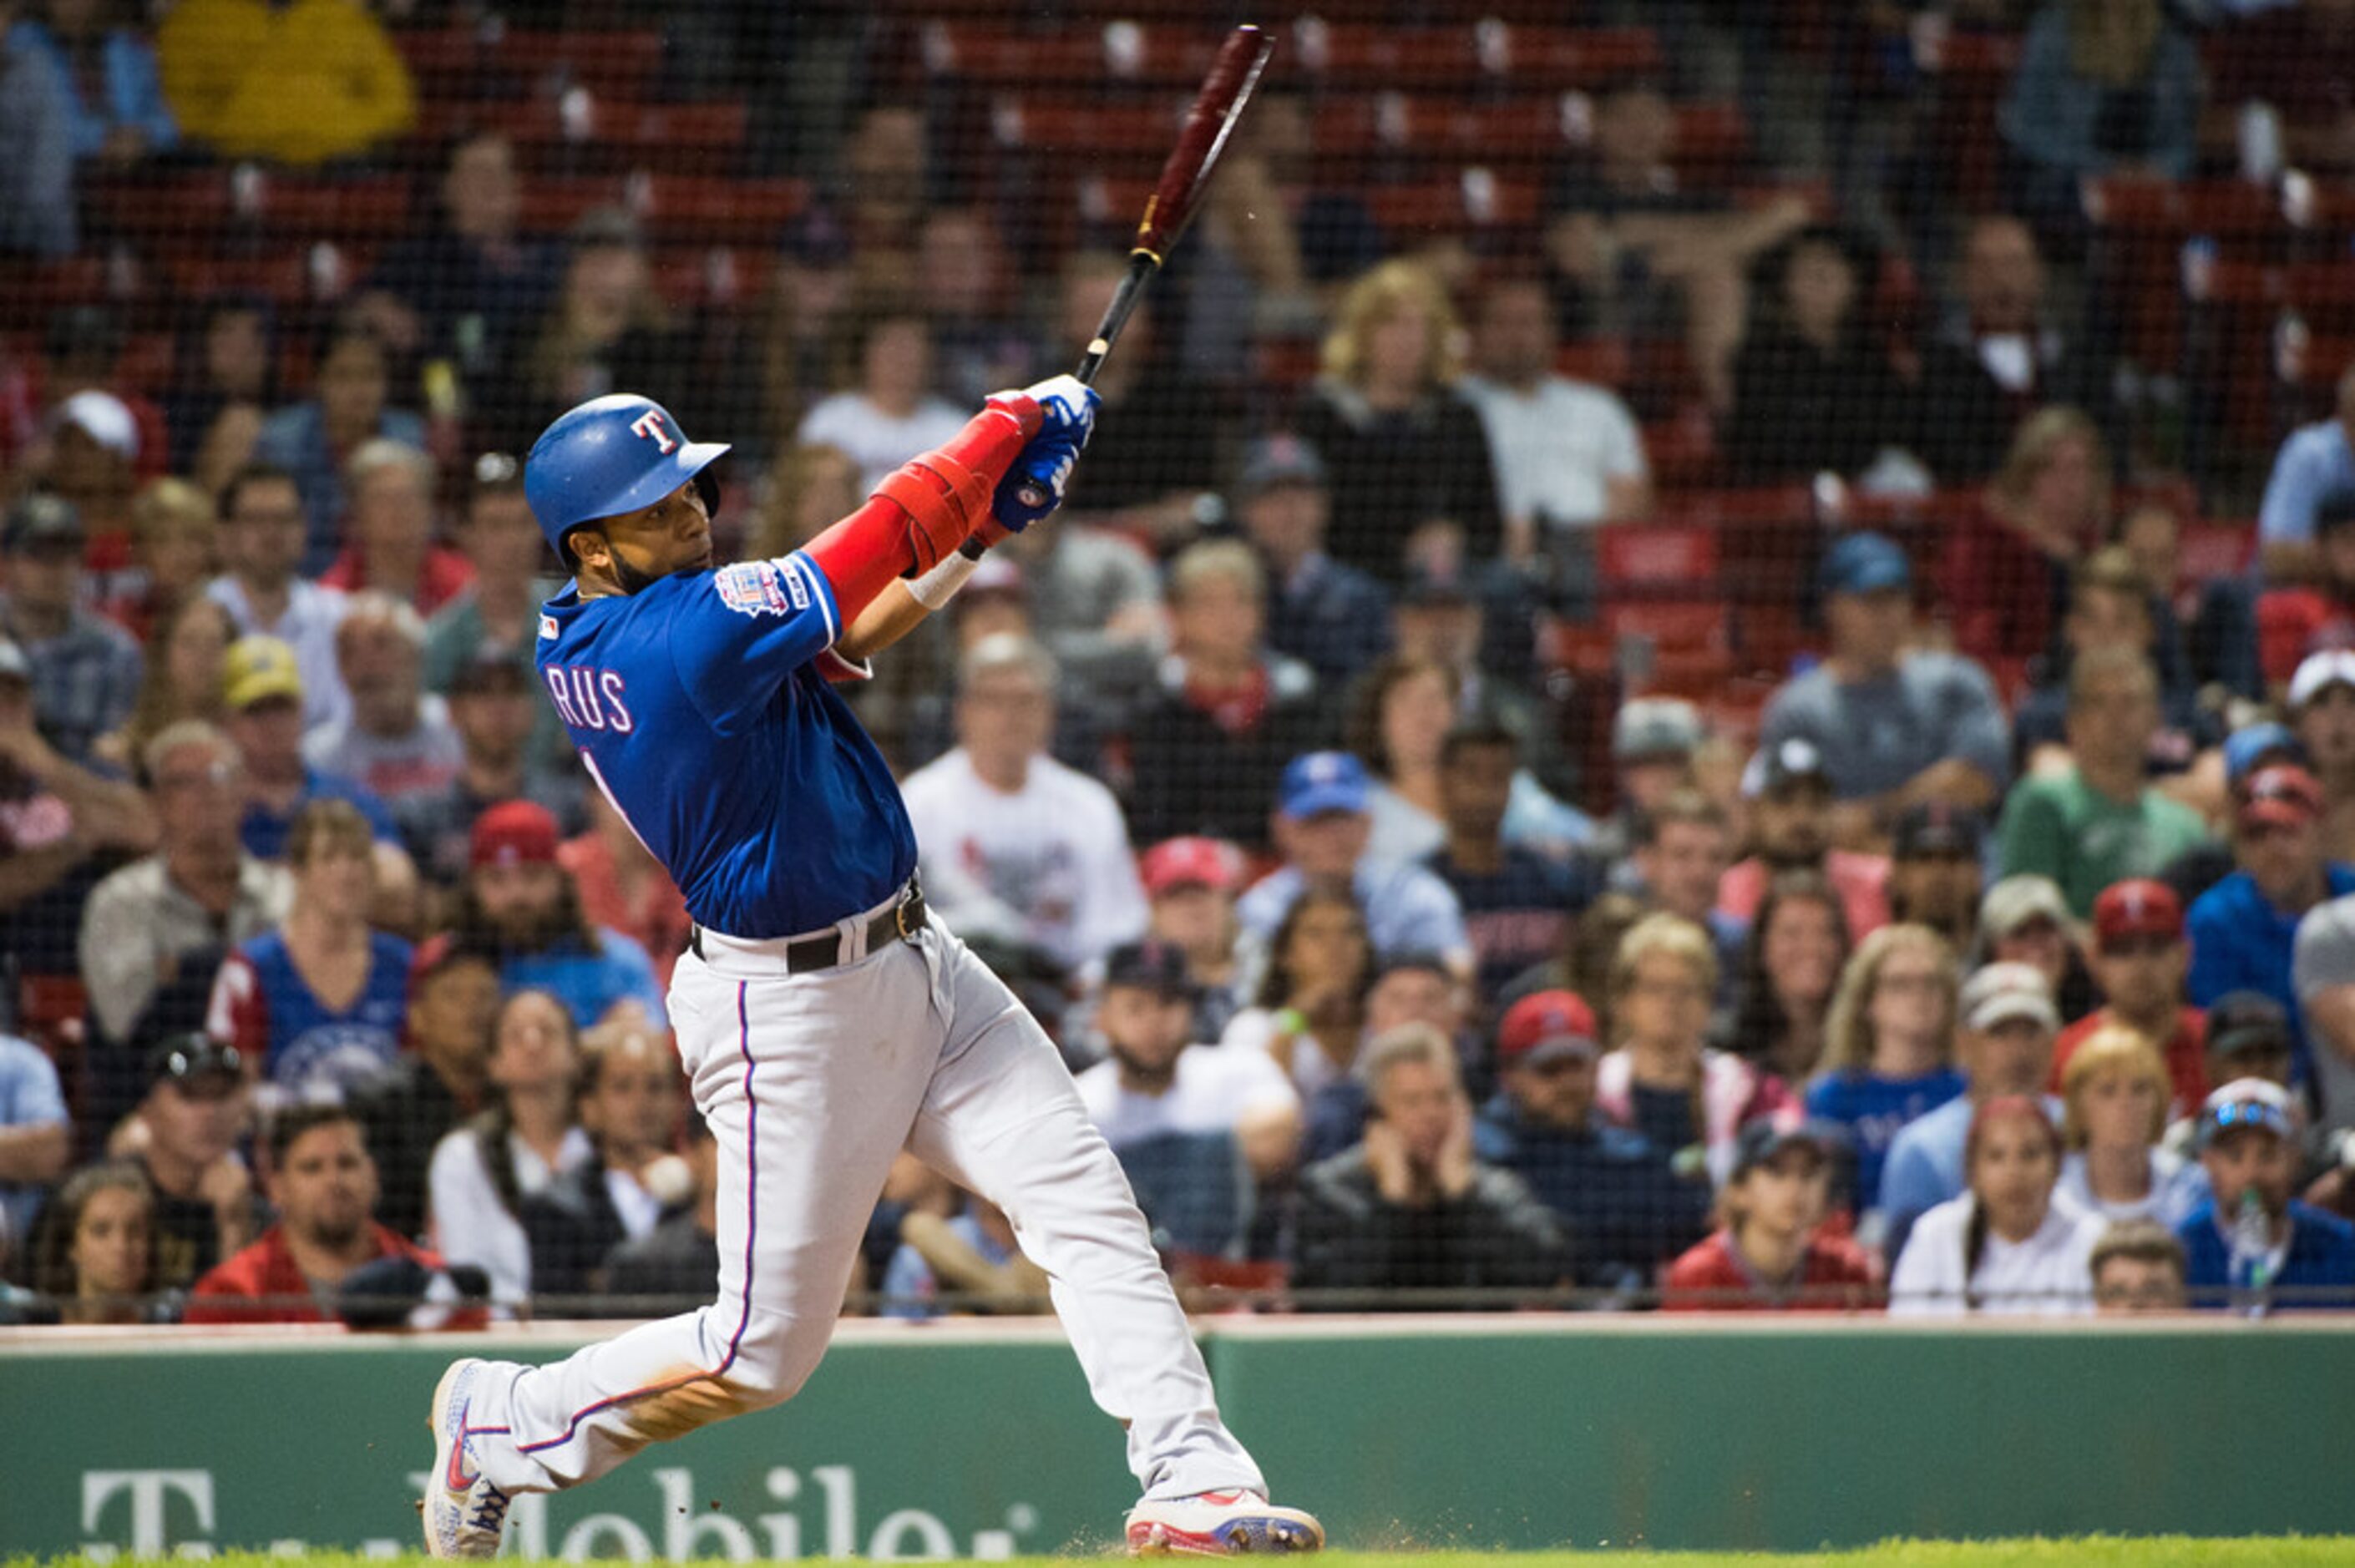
650, 425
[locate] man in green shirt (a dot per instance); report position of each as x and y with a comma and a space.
2099, 822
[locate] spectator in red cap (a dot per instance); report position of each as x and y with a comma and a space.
1624, 1209
1190, 889
521, 905
2100, 820
1772, 1255
2243, 927
2139, 959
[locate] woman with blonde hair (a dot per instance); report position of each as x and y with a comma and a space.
1663, 1080
2007, 566
1411, 482
2114, 1091
1888, 1045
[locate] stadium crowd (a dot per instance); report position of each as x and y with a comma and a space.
1963, 920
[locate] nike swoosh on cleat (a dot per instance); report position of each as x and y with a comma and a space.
456, 1478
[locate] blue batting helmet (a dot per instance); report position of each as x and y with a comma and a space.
611, 455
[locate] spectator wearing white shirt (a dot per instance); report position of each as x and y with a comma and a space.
2009, 1244
261, 538
1154, 1081
1568, 454
397, 740
1015, 845
889, 412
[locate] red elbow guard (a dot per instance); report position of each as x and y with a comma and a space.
925, 509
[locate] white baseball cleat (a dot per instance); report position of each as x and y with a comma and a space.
1219, 1524
464, 1513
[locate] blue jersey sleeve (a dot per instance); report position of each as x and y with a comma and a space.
737, 633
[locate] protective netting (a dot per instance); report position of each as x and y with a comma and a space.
1726, 525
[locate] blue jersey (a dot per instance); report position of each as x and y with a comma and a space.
1874, 1110
699, 708
262, 1004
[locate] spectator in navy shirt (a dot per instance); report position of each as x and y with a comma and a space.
1518, 904
1334, 619
2244, 930
2248, 1142
1624, 1210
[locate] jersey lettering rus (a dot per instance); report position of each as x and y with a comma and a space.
701, 707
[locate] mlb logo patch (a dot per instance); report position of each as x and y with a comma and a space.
752, 587
548, 629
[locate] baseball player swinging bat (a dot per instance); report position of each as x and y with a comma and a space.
825, 1022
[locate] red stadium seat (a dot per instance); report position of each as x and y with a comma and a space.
1488, 52
1658, 555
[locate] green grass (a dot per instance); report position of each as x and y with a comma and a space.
2095, 1551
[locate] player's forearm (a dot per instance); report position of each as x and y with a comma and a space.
888, 617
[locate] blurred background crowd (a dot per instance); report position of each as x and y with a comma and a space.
1706, 657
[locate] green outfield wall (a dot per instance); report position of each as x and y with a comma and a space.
916, 1441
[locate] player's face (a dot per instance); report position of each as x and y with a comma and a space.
2250, 1160
2118, 1109
2013, 1173
110, 1243
2137, 1284
627, 552
326, 1187
1146, 1028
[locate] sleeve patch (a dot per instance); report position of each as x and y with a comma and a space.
760, 587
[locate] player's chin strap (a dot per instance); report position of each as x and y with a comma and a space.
922, 511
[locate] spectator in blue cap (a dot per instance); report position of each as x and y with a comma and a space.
1894, 728
1322, 824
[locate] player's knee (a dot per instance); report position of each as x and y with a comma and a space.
773, 1356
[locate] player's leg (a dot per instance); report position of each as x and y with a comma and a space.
1003, 1118
809, 1085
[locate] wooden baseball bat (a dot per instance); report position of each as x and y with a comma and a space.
1210, 125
